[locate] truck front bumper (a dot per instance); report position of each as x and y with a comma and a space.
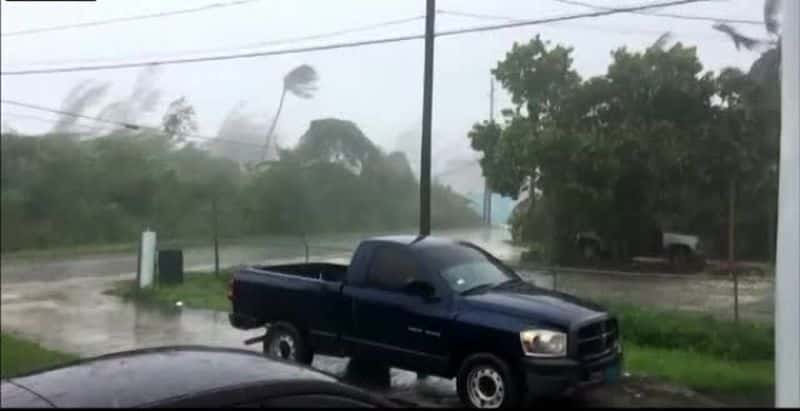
553, 376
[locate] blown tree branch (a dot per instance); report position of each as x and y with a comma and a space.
300, 82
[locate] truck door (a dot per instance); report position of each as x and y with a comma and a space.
391, 324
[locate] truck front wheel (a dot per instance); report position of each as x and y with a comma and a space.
286, 342
486, 381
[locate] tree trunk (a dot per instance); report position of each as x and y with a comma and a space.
269, 142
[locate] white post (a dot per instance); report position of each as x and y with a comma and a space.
787, 267
148, 259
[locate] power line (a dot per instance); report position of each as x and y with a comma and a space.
296, 39
125, 19
130, 126
286, 40
37, 118
476, 15
567, 17
583, 26
348, 44
668, 15
70, 114
212, 58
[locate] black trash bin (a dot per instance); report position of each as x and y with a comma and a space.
170, 267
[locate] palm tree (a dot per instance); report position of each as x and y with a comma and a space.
771, 23
300, 82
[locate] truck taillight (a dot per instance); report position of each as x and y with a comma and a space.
230, 289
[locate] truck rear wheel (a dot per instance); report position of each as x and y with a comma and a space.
486, 381
286, 342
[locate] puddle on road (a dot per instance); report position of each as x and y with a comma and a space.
76, 316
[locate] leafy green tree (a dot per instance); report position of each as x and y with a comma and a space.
59, 191
180, 120
336, 141
652, 144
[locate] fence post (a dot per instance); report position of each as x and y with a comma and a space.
735, 297
305, 244
216, 236
139, 260
554, 273
732, 248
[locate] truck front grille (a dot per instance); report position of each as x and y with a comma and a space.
597, 338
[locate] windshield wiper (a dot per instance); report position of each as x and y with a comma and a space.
510, 281
477, 287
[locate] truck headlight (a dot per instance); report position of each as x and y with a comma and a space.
543, 343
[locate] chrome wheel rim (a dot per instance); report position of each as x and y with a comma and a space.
283, 347
485, 387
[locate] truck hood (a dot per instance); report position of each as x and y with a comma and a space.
536, 305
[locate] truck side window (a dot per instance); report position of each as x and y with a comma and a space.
391, 269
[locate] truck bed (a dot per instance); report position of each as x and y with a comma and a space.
305, 294
318, 271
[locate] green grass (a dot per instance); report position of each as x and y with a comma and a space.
702, 372
695, 333
18, 356
708, 355
199, 290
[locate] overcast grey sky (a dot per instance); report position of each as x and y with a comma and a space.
379, 87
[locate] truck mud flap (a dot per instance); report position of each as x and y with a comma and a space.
254, 340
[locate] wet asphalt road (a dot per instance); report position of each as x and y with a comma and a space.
75, 316
250, 251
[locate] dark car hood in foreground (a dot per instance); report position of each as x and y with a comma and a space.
525, 300
136, 378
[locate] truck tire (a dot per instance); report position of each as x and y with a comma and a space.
286, 342
486, 381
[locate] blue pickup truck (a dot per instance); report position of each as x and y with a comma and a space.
433, 306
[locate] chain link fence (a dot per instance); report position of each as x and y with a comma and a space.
704, 293
701, 293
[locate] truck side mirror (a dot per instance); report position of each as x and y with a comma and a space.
422, 289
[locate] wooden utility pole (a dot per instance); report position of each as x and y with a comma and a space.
487, 193
427, 108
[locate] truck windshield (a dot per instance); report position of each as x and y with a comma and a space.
465, 268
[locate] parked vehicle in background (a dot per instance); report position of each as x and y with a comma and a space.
436, 307
188, 376
683, 251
